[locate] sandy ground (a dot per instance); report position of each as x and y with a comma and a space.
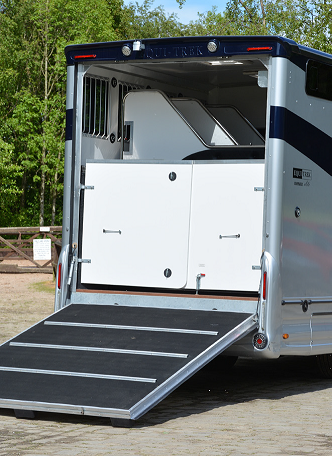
258, 408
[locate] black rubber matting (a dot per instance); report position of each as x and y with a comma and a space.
99, 392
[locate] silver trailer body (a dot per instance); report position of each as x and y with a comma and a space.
197, 181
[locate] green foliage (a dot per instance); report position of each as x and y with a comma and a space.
144, 22
33, 35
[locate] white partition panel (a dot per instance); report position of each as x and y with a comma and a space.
157, 129
203, 122
136, 224
225, 204
237, 126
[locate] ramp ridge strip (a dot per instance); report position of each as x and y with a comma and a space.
77, 374
99, 349
133, 328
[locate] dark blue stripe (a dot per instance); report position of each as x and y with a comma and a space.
69, 124
303, 136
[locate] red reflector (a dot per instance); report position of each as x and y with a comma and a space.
202, 275
59, 275
264, 284
91, 56
259, 341
261, 48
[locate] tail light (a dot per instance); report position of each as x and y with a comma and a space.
259, 341
59, 275
264, 285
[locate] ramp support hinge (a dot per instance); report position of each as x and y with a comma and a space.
258, 189
87, 187
82, 260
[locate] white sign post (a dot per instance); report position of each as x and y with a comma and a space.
42, 249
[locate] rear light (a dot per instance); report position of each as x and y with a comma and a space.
264, 285
89, 56
260, 48
59, 275
259, 341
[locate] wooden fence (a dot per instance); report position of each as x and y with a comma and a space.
17, 243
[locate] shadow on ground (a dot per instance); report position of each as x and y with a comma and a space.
248, 380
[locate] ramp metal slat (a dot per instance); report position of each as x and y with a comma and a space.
131, 328
77, 374
97, 349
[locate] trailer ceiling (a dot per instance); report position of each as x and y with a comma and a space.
215, 73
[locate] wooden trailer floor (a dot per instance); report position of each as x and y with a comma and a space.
114, 361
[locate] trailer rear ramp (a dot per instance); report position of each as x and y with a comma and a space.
113, 361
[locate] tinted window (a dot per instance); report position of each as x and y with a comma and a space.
319, 80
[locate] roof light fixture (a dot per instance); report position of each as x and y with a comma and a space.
212, 46
138, 46
126, 50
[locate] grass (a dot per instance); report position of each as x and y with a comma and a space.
48, 287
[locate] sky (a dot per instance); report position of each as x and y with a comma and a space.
189, 10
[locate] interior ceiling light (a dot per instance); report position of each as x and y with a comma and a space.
126, 50
212, 46
252, 74
225, 62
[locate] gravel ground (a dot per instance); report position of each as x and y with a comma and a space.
258, 408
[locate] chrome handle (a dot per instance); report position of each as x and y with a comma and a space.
229, 236
112, 231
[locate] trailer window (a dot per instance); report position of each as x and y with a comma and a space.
319, 80
95, 106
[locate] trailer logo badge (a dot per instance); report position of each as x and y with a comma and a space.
305, 174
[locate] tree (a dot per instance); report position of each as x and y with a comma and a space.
33, 34
143, 21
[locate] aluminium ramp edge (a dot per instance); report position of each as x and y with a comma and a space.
192, 367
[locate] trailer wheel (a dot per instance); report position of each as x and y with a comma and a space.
325, 365
221, 363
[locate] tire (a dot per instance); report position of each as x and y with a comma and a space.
324, 363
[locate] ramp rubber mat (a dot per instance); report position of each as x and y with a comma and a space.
104, 360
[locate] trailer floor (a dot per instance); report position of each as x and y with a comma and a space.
114, 361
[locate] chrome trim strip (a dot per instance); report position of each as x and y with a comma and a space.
132, 328
318, 314
286, 301
77, 374
97, 349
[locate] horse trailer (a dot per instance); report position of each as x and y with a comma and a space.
197, 222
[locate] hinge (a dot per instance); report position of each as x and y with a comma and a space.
83, 260
87, 187
258, 189
256, 268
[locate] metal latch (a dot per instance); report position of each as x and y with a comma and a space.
198, 281
87, 187
83, 260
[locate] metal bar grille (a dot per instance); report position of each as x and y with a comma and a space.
95, 107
